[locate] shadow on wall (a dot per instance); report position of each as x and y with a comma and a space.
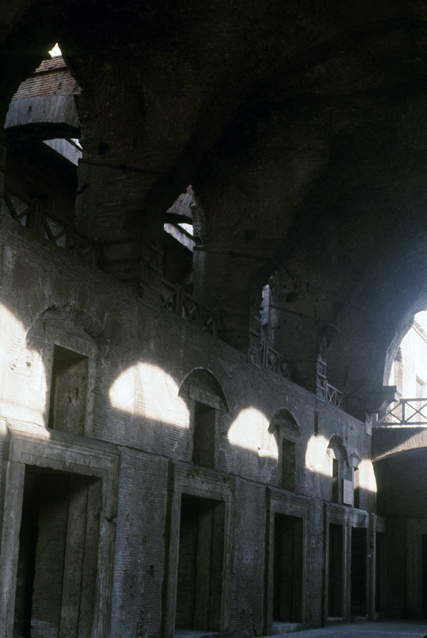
23, 388
64, 372
247, 444
64, 346
402, 483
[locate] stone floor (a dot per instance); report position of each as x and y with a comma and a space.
366, 630
389, 629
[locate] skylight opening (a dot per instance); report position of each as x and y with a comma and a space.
409, 370
55, 52
409, 377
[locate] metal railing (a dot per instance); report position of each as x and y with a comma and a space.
324, 390
32, 214
407, 412
176, 300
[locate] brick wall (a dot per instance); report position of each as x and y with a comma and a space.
142, 359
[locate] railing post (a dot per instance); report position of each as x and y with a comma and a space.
40, 221
179, 300
265, 353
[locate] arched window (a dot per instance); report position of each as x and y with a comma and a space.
69, 355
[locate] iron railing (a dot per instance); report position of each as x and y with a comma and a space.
31, 213
407, 412
324, 390
175, 299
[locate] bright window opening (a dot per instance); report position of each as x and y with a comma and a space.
409, 370
55, 51
409, 374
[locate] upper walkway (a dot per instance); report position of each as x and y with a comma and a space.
367, 630
407, 412
400, 428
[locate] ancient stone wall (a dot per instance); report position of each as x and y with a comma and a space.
147, 374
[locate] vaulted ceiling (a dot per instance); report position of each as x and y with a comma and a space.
303, 130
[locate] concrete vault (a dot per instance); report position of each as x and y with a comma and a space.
213, 238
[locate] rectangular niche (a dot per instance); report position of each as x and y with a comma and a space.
288, 465
204, 435
70, 361
68, 395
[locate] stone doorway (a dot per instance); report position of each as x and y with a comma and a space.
358, 572
288, 569
200, 564
335, 587
58, 554
381, 573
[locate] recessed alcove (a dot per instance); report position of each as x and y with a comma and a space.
68, 394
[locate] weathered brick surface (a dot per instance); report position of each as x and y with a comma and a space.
248, 563
140, 543
52, 77
142, 359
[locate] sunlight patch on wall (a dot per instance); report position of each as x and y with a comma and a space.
367, 480
316, 459
250, 431
148, 391
23, 387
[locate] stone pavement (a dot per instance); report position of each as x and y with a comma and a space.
387, 629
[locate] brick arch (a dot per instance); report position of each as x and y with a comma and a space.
207, 382
285, 424
75, 314
337, 446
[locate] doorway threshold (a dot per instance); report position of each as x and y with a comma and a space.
337, 620
194, 633
288, 627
